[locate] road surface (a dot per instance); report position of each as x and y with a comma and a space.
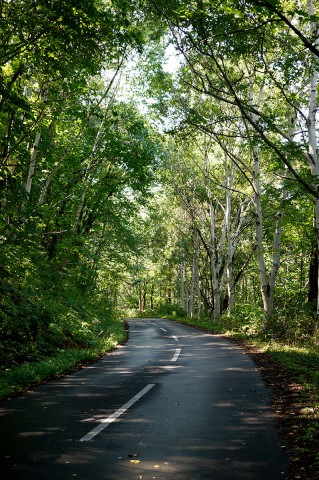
172, 403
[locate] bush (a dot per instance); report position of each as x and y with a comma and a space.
245, 318
294, 327
170, 309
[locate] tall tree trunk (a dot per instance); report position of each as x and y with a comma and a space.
230, 239
194, 280
33, 161
264, 285
268, 281
214, 278
278, 231
140, 298
216, 293
184, 286
75, 138
35, 146
313, 274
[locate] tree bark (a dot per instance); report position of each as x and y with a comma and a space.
264, 285
33, 161
313, 274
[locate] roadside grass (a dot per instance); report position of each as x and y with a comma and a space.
17, 379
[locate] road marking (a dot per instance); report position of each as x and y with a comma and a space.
163, 329
176, 354
175, 338
107, 421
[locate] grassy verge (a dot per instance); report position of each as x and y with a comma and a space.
18, 378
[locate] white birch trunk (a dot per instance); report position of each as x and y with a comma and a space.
194, 280
216, 295
214, 278
216, 261
35, 146
264, 286
181, 285
278, 231
230, 246
186, 290
199, 299
87, 172
33, 162
184, 286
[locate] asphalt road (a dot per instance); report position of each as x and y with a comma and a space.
173, 403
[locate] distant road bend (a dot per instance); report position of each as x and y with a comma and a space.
173, 403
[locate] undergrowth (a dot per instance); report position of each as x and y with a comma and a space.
20, 377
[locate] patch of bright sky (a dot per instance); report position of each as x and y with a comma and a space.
127, 91
171, 64
172, 60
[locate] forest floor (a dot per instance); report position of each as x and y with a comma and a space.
295, 417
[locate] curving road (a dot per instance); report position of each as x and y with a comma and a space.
173, 402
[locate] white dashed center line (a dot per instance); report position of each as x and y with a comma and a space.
176, 354
107, 421
175, 338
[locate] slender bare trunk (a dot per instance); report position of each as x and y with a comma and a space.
33, 161
194, 280
69, 148
183, 286
264, 285
230, 239
35, 146
278, 230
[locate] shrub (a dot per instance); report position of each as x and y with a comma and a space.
245, 318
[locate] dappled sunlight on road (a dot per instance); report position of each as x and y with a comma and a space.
207, 413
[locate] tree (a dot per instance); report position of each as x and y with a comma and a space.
231, 53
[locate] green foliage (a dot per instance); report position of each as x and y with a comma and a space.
83, 230
295, 325
245, 318
15, 379
75, 164
166, 309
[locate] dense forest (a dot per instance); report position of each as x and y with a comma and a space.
157, 156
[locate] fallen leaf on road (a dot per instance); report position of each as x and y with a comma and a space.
135, 461
156, 466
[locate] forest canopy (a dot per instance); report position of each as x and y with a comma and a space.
157, 156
